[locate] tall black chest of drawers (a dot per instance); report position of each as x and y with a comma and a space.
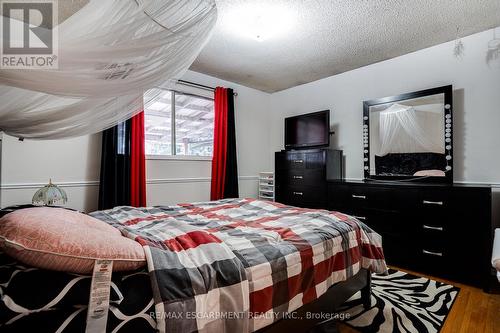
441, 230
301, 176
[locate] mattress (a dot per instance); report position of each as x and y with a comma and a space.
57, 301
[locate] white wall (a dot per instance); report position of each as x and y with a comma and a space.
28, 165
476, 103
74, 163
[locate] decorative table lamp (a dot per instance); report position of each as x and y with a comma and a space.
50, 195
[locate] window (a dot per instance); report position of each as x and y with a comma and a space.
190, 134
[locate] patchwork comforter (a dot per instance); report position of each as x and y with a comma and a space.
238, 265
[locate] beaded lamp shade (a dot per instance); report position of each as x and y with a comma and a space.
50, 195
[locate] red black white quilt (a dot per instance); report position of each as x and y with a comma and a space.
238, 265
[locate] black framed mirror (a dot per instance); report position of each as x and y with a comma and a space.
409, 137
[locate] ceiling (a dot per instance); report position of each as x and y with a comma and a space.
334, 36
328, 37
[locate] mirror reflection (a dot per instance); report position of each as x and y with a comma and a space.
407, 137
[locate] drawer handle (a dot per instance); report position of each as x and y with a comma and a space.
427, 202
297, 177
298, 193
437, 254
360, 217
432, 228
359, 196
298, 161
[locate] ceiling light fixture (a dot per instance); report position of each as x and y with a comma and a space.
258, 21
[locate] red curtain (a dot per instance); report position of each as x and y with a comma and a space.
220, 144
137, 162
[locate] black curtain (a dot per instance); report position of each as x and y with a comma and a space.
231, 178
114, 187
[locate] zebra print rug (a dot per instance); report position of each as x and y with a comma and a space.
402, 302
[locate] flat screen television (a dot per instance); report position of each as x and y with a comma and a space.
308, 130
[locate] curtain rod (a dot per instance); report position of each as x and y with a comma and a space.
201, 86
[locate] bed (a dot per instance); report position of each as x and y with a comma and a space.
257, 260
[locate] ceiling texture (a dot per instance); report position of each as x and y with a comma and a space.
328, 37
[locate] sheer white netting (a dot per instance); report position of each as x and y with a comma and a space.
403, 129
109, 53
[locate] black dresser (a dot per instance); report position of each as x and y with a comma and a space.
441, 230
301, 176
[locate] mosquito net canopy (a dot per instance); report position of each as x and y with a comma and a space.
109, 53
404, 129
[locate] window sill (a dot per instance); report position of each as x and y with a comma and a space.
178, 158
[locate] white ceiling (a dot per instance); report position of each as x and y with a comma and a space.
328, 37
334, 36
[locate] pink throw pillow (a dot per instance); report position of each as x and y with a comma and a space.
63, 240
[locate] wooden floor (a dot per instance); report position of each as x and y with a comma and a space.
474, 311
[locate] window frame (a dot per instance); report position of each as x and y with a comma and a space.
173, 154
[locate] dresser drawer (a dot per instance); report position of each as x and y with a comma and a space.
305, 196
432, 201
362, 197
433, 262
306, 177
435, 243
306, 160
438, 255
379, 220
398, 235
295, 161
